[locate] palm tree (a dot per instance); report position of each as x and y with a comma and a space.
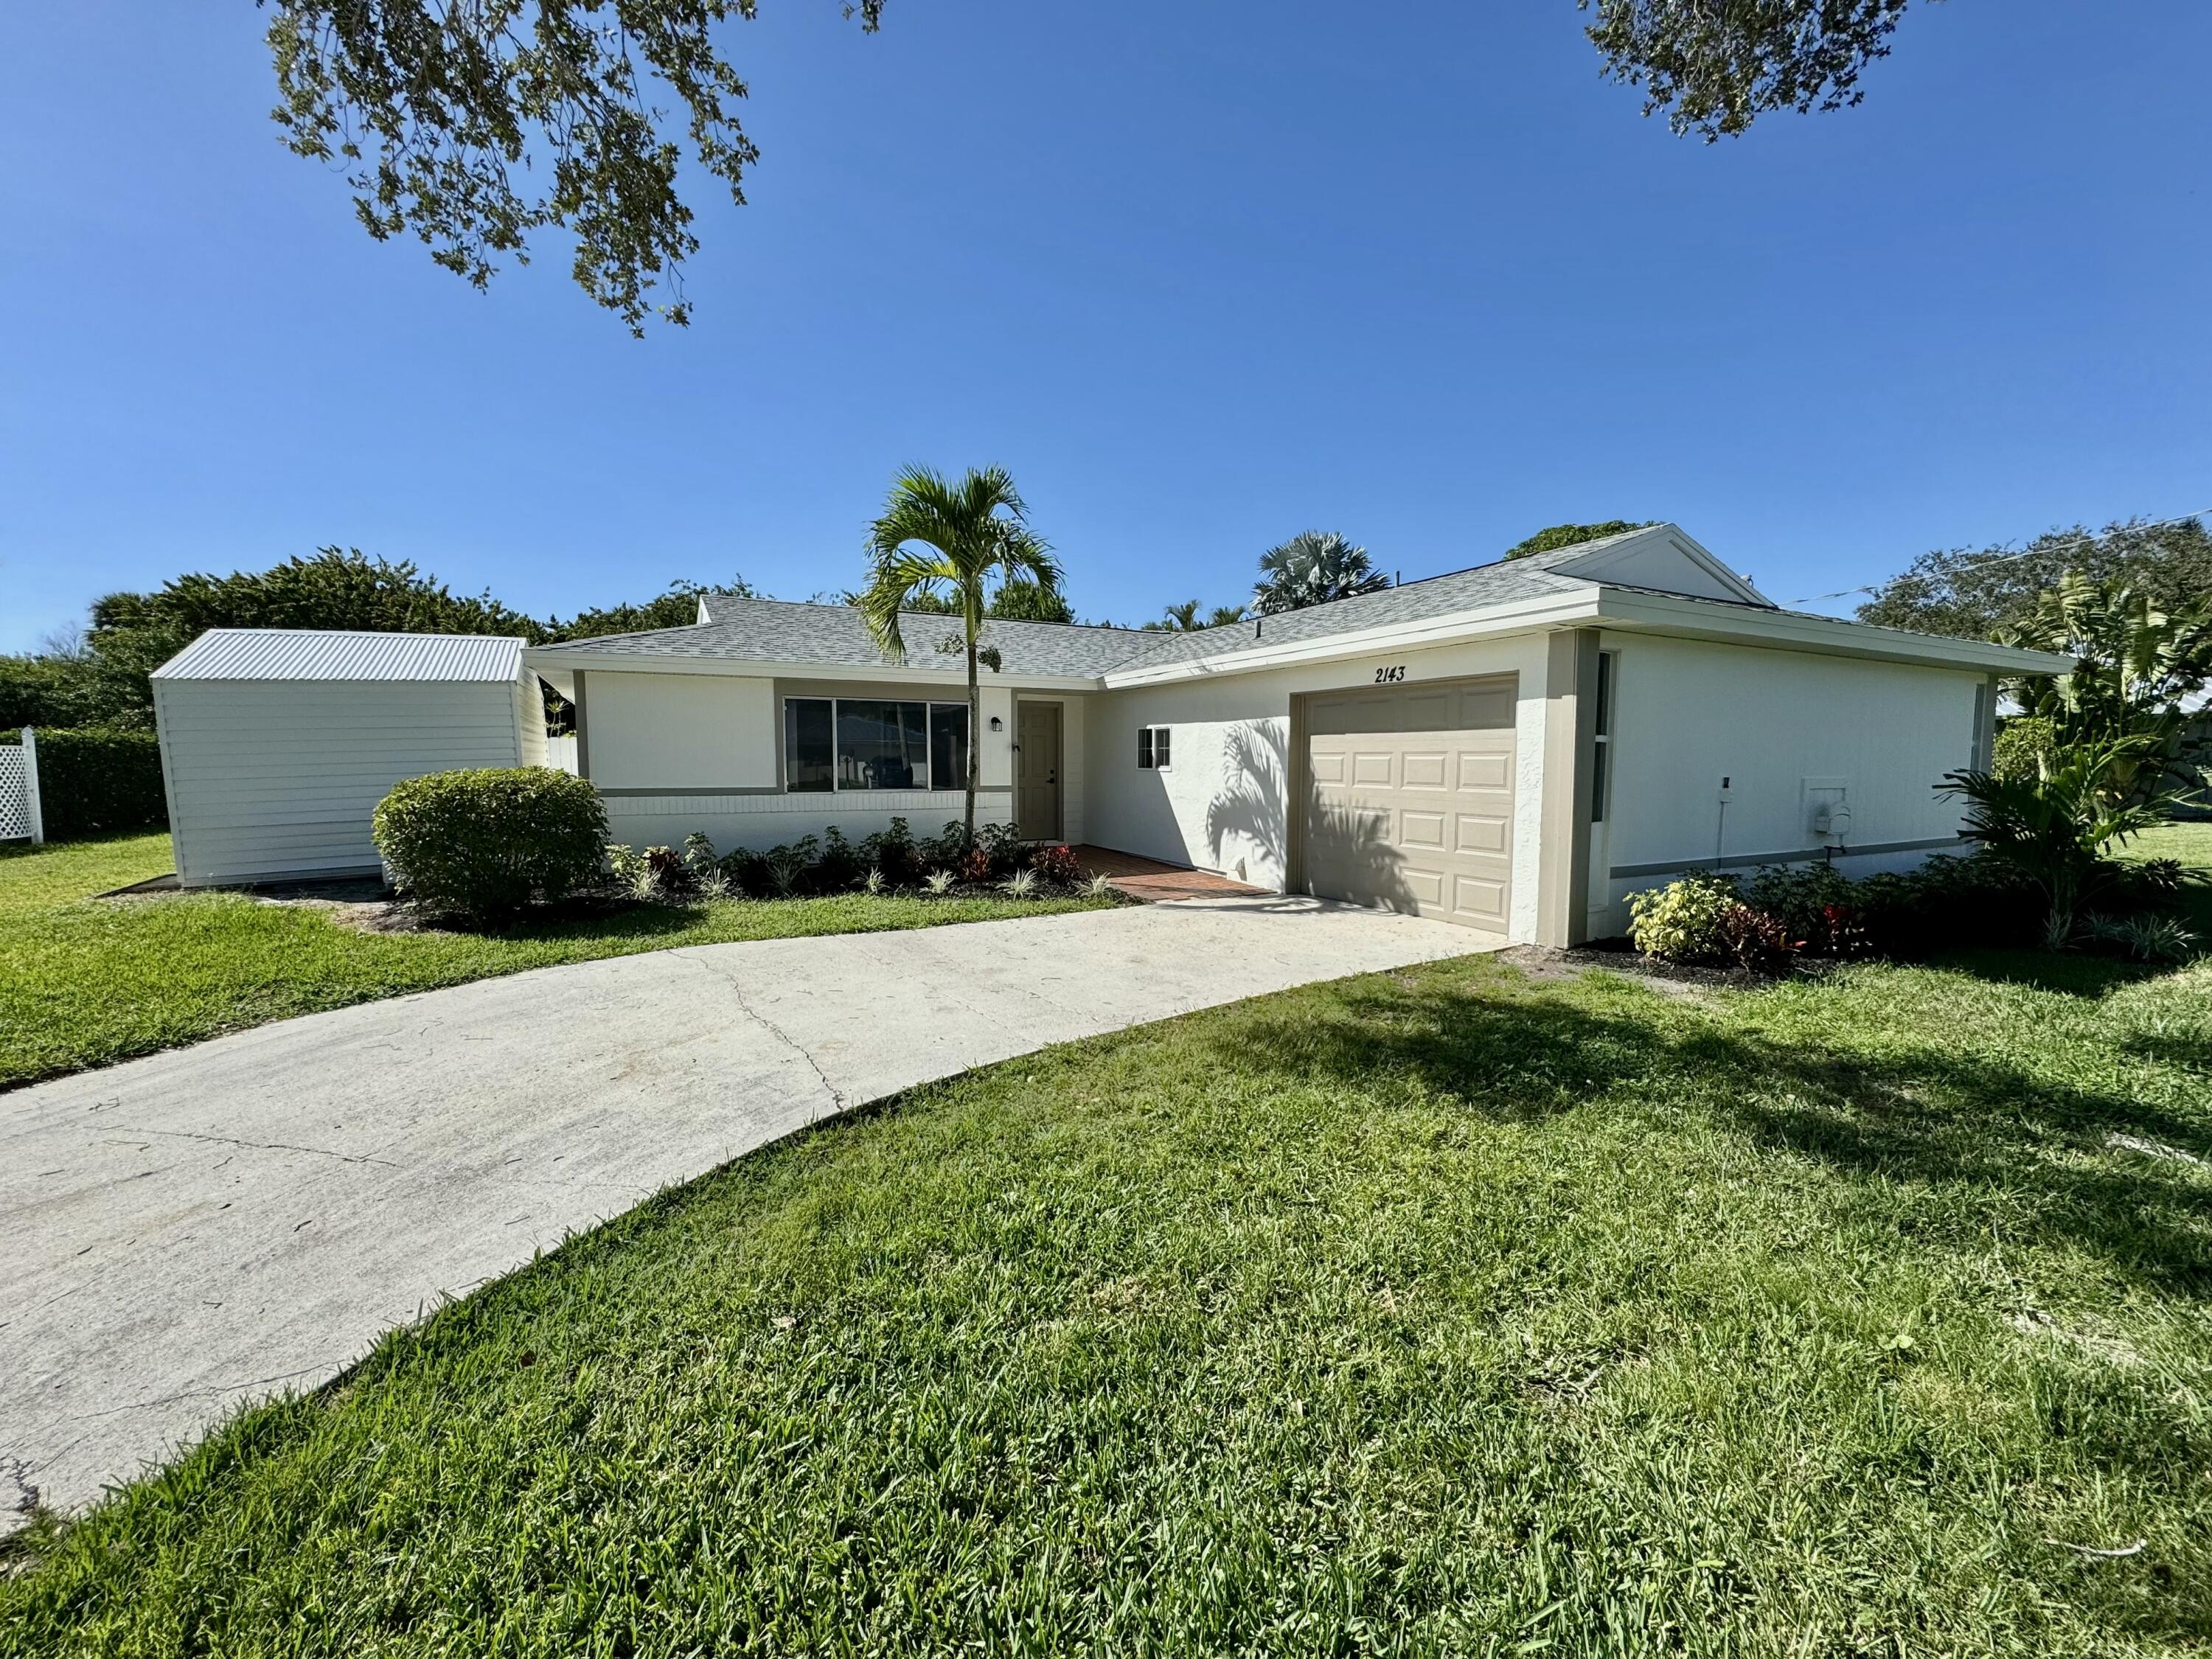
1183, 618
2136, 668
2054, 829
1313, 568
938, 539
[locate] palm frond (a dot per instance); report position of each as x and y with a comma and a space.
906, 572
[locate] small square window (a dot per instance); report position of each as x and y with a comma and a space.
1152, 748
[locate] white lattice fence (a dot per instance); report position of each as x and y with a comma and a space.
19, 791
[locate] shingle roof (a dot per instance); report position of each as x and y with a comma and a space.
297, 653
780, 631
1501, 583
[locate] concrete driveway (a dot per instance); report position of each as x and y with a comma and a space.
186, 1232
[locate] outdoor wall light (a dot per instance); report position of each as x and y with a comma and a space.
997, 725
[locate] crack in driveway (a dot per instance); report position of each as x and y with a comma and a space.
213, 1389
738, 994
263, 1146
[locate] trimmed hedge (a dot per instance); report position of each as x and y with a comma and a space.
487, 842
98, 781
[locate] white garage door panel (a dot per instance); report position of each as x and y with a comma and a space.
1410, 799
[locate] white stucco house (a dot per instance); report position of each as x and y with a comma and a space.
1515, 747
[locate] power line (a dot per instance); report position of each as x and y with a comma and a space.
1999, 558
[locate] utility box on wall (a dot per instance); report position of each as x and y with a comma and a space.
1827, 806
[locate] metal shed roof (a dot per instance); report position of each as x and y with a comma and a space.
299, 653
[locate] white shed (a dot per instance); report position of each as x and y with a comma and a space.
277, 743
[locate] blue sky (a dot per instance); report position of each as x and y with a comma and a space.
1200, 276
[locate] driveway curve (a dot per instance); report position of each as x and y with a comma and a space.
184, 1233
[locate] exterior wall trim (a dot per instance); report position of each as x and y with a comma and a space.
583, 732
540, 659
1741, 860
796, 794
1454, 629
284, 877
1563, 872
1635, 608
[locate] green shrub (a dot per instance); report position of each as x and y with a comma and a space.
486, 843
98, 781
2024, 743
1685, 920
2055, 828
1752, 938
2163, 940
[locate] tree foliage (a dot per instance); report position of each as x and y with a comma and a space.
1016, 600
473, 126
2055, 828
1314, 567
678, 608
1714, 66
1184, 618
1557, 536
1978, 593
106, 683
2137, 670
936, 538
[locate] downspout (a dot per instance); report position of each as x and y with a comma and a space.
974, 713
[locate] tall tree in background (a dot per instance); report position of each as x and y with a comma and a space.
1017, 600
1976, 593
473, 126
1570, 535
935, 538
1183, 618
1713, 67
678, 608
2137, 669
104, 680
1314, 567
133, 634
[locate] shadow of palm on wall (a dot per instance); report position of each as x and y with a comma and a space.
1345, 849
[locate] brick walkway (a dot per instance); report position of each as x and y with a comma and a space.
1155, 883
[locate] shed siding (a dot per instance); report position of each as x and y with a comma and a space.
274, 777
1687, 714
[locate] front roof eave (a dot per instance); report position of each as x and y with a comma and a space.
1550, 610
549, 659
1646, 610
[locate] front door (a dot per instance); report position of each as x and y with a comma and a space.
1036, 771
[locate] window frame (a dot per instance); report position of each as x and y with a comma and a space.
929, 708
1152, 742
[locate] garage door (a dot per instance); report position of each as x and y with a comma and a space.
1410, 799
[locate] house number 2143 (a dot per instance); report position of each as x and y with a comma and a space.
1390, 676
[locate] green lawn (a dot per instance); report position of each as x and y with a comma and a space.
85, 983
1445, 1310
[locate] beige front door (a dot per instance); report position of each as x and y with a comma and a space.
1409, 799
1036, 771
